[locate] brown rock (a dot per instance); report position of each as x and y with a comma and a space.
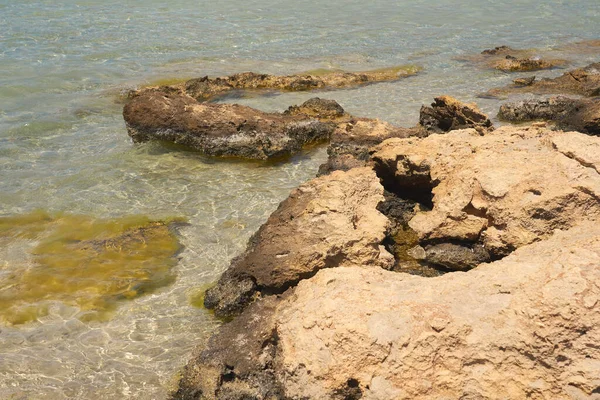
581, 81
205, 88
446, 114
229, 130
507, 59
581, 115
331, 221
505, 189
522, 327
527, 64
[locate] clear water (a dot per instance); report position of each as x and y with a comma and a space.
63, 144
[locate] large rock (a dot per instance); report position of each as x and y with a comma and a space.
507, 59
331, 221
523, 327
581, 115
581, 81
506, 189
229, 130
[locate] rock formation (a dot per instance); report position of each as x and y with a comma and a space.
446, 114
581, 81
522, 327
506, 189
206, 89
229, 130
328, 222
507, 59
581, 115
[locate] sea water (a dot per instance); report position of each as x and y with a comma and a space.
64, 148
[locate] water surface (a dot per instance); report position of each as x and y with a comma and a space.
64, 148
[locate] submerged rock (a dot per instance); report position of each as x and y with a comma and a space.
327, 222
84, 262
522, 327
504, 190
581, 115
581, 81
228, 130
205, 88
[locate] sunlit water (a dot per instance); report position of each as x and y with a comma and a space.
63, 144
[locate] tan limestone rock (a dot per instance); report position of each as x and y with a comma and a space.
506, 189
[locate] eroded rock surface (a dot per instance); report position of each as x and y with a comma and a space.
205, 88
581, 115
506, 189
523, 327
228, 130
581, 81
507, 59
446, 114
328, 222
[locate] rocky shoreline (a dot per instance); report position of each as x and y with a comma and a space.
453, 259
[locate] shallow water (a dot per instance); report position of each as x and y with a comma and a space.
64, 148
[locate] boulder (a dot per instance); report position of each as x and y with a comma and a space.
581, 115
581, 81
228, 130
526, 326
446, 114
328, 222
504, 190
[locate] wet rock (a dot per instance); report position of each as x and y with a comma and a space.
524, 326
456, 257
581, 81
504, 190
205, 88
581, 115
229, 130
328, 222
446, 114
318, 108
527, 64
524, 81
498, 50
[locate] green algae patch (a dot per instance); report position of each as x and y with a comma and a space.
196, 298
81, 261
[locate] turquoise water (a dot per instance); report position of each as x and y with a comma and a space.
63, 144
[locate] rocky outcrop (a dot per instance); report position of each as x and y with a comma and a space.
328, 222
506, 189
581, 81
228, 130
581, 115
507, 59
206, 89
351, 142
522, 327
446, 114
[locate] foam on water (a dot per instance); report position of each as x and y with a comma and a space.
64, 148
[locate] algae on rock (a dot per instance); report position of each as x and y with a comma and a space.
84, 262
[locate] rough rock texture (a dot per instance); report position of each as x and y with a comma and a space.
506, 189
581, 115
507, 59
327, 222
207, 88
581, 81
446, 114
225, 129
523, 327
350, 142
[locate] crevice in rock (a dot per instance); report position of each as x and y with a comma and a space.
349, 391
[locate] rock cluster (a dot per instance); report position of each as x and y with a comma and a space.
581, 81
507, 59
581, 114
